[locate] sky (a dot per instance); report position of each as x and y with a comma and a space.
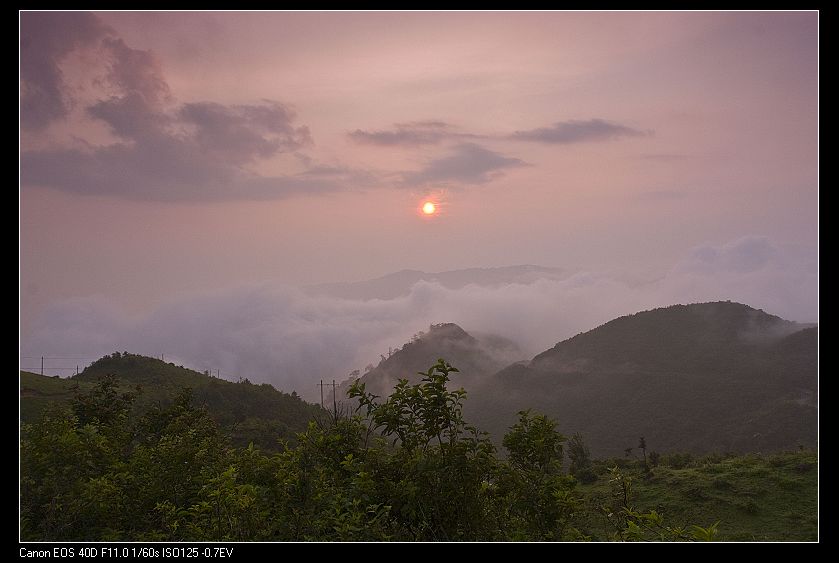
184, 175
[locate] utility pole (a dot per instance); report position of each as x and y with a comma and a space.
218, 373
334, 395
42, 365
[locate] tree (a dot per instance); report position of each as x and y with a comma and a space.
534, 444
539, 499
580, 456
436, 474
642, 445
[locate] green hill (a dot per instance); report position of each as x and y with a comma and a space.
754, 497
702, 377
473, 356
249, 412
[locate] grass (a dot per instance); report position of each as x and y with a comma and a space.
248, 412
771, 497
38, 391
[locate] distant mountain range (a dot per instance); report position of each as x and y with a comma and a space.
702, 377
399, 284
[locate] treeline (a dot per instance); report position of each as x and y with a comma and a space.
405, 468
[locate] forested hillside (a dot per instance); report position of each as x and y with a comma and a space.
248, 412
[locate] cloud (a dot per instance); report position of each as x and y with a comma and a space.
46, 39
744, 255
468, 163
578, 131
195, 151
419, 133
135, 71
410, 134
168, 169
243, 133
292, 339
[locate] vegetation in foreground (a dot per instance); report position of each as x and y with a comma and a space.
247, 412
405, 468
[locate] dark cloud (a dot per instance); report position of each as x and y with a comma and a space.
578, 131
240, 134
135, 71
162, 168
195, 151
130, 116
468, 163
46, 38
410, 134
418, 133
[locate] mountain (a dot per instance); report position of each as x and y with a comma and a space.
400, 283
701, 377
249, 412
473, 356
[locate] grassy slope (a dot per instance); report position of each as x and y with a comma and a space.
755, 497
38, 391
769, 497
249, 412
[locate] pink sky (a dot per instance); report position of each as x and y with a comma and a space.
168, 154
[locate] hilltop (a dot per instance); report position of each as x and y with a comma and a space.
702, 377
474, 356
249, 412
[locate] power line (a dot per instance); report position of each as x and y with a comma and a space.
60, 357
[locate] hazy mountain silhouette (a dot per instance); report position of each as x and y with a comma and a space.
710, 376
399, 284
474, 356
702, 377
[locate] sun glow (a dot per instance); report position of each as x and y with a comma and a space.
429, 208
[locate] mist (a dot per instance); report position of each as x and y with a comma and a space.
287, 337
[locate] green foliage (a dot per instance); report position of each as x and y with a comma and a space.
247, 412
581, 466
754, 497
534, 444
630, 524
103, 405
538, 499
695, 378
437, 481
405, 468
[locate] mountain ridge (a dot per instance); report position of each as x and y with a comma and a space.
701, 377
399, 284
251, 412
653, 373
